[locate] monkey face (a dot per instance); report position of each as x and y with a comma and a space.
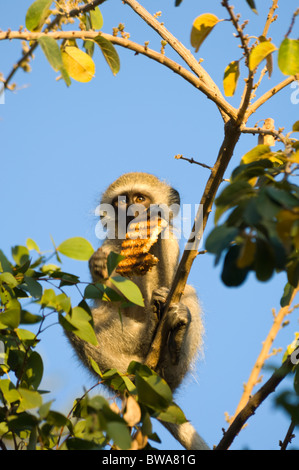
131, 205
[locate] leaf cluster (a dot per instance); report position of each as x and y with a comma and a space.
68, 58
260, 207
27, 304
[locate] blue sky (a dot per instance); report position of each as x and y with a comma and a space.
60, 148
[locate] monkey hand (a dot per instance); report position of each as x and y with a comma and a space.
177, 321
98, 265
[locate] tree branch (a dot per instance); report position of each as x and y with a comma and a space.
264, 354
231, 136
179, 48
288, 438
75, 12
126, 43
259, 130
254, 402
266, 96
270, 18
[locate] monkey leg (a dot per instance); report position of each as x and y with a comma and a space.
177, 321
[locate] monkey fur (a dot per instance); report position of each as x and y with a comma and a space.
121, 341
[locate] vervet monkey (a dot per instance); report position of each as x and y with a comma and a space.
121, 341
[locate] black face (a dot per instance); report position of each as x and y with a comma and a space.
123, 201
130, 205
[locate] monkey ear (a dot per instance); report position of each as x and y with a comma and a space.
174, 197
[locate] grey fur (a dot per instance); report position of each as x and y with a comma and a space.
121, 341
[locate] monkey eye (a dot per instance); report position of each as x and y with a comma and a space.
120, 201
139, 198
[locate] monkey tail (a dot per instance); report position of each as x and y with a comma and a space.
186, 435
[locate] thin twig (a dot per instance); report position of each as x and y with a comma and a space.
264, 354
191, 160
253, 403
180, 49
126, 43
289, 436
259, 130
270, 19
266, 96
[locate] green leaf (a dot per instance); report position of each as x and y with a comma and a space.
34, 370
20, 254
11, 316
233, 193
201, 28
9, 279
112, 261
33, 287
5, 265
257, 153
96, 18
259, 53
76, 443
94, 291
153, 391
82, 322
52, 52
295, 127
230, 79
76, 248
29, 399
31, 245
57, 419
110, 54
252, 5
173, 414
220, 237
264, 263
95, 367
129, 289
29, 318
283, 197
287, 294
119, 433
232, 276
9, 391
288, 56
37, 14
27, 337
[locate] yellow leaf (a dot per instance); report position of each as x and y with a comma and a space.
230, 80
294, 158
247, 253
259, 53
78, 64
291, 347
285, 220
202, 26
